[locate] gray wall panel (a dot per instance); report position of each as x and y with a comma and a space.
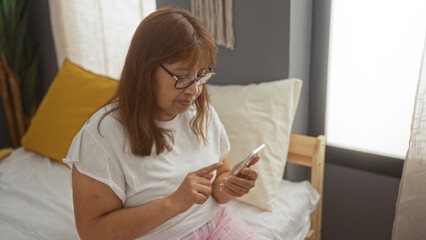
261, 42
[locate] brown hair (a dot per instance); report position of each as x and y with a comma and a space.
167, 35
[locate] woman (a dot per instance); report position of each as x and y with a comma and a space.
152, 163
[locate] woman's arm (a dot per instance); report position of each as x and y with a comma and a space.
226, 187
99, 213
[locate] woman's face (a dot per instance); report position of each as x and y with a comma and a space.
171, 101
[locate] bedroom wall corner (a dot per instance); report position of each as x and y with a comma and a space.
299, 57
39, 29
299, 67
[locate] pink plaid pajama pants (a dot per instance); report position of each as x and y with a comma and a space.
223, 226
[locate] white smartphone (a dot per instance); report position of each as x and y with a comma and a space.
248, 160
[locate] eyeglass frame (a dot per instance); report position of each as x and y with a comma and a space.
211, 73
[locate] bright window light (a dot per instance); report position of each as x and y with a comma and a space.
374, 64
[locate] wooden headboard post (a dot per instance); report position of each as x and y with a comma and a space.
310, 152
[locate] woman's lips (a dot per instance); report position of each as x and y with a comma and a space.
186, 103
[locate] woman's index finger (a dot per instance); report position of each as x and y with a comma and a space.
206, 170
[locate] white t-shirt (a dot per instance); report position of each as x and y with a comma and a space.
138, 180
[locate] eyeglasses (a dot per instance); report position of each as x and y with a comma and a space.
186, 81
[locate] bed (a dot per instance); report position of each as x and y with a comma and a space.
36, 198
35, 187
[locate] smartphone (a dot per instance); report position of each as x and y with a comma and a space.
248, 160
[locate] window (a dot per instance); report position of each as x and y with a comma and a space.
374, 62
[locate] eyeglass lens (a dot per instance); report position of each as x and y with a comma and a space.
186, 82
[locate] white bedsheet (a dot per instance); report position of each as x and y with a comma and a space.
290, 216
35, 198
36, 203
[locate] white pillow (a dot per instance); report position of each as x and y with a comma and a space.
255, 114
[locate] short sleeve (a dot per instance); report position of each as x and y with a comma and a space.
224, 145
93, 160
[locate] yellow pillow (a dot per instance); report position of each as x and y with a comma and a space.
73, 97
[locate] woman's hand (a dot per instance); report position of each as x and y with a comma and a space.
195, 188
241, 185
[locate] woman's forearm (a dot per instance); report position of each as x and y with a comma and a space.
99, 214
130, 223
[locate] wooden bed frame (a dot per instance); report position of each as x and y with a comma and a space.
310, 152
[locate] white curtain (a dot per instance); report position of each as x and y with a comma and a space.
410, 217
96, 34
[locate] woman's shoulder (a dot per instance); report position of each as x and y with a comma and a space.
104, 121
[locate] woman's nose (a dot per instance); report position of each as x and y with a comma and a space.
192, 89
